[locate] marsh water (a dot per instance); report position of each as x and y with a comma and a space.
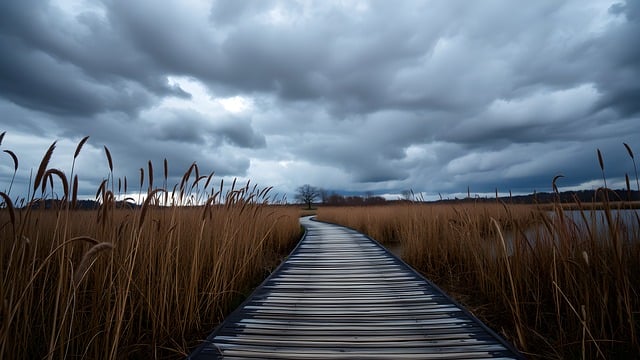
626, 223
582, 225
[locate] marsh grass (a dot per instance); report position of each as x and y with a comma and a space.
557, 286
122, 281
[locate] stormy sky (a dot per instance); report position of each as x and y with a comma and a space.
353, 96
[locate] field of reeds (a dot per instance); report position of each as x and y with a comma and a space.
130, 279
559, 281
556, 286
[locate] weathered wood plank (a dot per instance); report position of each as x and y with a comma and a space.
341, 295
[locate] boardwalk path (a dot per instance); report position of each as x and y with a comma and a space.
341, 295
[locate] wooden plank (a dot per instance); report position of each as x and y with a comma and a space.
342, 295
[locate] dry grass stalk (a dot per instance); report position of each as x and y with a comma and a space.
88, 259
150, 175
12, 213
515, 304
173, 275
527, 275
79, 147
63, 178
109, 159
74, 193
14, 158
15, 167
635, 168
43, 166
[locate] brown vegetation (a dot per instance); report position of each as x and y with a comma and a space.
558, 286
145, 281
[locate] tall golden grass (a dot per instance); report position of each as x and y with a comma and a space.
558, 286
126, 281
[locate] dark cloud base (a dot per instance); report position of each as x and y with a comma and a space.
431, 96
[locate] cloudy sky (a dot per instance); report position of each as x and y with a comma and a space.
434, 96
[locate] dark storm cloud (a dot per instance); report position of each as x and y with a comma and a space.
191, 127
379, 95
38, 81
621, 49
79, 66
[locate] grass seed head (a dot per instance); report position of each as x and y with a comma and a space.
43, 166
79, 147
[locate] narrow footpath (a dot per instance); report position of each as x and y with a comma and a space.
341, 295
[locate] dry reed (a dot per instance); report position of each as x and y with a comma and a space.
130, 281
558, 284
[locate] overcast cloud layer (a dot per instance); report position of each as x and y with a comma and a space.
382, 96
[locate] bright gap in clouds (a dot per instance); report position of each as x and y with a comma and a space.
236, 104
203, 101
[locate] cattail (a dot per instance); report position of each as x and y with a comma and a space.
88, 259
15, 167
145, 205
206, 184
74, 192
635, 168
79, 147
65, 184
196, 181
150, 175
628, 149
553, 182
48, 177
207, 205
9, 205
601, 162
101, 188
265, 191
108, 153
185, 177
14, 157
43, 166
166, 170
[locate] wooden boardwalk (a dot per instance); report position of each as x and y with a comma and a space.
341, 295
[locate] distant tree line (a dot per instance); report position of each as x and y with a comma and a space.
353, 200
309, 195
584, 196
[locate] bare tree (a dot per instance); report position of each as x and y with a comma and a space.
307, 194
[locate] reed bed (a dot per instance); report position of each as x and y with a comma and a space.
557, 286
131, 280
